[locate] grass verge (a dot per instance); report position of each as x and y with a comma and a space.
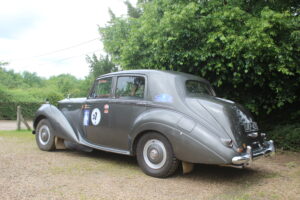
21, 133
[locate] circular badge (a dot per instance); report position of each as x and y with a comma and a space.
96, 116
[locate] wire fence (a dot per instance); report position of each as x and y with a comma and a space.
8, 110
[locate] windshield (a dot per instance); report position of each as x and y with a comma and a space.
196, 88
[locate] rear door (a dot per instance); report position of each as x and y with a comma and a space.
128, 103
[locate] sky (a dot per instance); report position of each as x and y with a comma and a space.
53, 37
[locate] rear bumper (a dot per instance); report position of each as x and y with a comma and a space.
246, 158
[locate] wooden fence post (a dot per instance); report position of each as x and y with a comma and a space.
21, 118
18, 118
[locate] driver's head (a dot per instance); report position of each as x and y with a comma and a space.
134, 88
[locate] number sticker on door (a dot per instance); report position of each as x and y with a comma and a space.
96, 116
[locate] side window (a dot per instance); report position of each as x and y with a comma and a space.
102, 88
130, 87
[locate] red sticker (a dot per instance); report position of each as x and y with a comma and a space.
102, 81
106, 107
105, 111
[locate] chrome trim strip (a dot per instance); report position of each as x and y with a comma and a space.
253, 135
246, 158
103, 148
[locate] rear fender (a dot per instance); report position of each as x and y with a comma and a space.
181, 131
158, 120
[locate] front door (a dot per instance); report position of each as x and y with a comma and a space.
96, 122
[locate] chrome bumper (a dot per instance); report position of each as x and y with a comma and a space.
247, 158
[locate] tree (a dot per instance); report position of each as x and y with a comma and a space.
248, 50
10, 79
256, 6
101, 65
67, 85
32, 79
3, 63
132, 11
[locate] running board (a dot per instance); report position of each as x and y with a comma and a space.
102, 148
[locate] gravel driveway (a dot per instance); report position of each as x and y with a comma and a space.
28, 173
12, 125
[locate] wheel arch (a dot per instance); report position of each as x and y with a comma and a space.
160, 120
140, 135
168, 132
61, 125
37, 120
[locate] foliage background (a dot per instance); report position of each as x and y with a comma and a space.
29, 90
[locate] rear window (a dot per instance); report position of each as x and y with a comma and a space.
130, 87
195, 88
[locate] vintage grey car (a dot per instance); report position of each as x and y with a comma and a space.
162, 117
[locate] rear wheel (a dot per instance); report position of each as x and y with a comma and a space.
155, 155
44, 136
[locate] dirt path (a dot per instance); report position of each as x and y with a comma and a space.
28, 173
12, 125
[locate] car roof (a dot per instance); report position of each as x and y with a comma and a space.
155, 72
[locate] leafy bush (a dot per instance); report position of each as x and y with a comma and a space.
5, 96
8, 110
286, 137
29, 90
29, 100
43, 94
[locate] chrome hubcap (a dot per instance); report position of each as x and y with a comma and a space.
155, 154
44, 135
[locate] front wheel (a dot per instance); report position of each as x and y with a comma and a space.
44, 136
155, 155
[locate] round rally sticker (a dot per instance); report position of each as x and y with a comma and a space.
95, 116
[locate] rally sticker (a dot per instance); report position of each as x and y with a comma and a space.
86, 118
106, 108
95, 116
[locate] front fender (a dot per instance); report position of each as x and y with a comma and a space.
60, 124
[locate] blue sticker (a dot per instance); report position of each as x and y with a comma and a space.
86, 118
165, 98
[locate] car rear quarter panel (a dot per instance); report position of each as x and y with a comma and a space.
190, 141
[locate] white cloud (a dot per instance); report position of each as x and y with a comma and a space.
35, 27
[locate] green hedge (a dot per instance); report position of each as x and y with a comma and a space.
286, 137
29, 99
8, 110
